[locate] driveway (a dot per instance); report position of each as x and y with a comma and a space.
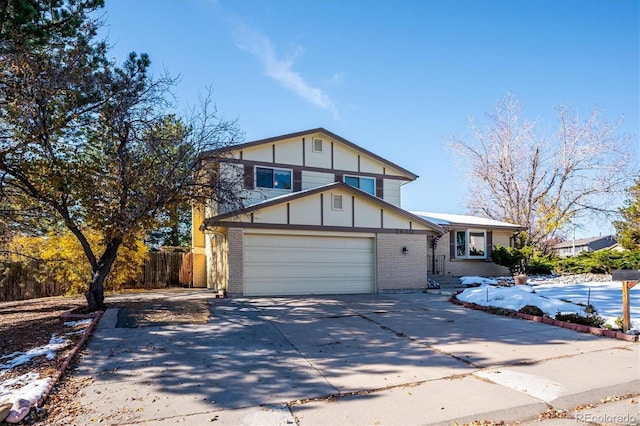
401, 359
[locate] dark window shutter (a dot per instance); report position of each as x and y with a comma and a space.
379, 187
489, 244
452, 244
297, 180
339, 177
248, 176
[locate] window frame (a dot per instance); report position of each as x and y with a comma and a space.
273, 178
467, 243
334, 205
344, 179
314, 147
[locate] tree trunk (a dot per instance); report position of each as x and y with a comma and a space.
95, 293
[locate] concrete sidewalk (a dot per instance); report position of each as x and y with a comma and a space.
405, 359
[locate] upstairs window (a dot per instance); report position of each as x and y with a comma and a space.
336, 202
365, 184
317, 145
267, 177
471, 244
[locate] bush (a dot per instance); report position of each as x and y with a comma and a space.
531, 310
598, 262
512, 257
499, 311
590, 320
540, 265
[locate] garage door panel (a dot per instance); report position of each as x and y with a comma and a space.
284, 264
312, 257
303, 272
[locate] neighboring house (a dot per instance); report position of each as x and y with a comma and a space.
322, 215
466, 247
575, 247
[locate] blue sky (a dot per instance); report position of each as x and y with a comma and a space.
396, 77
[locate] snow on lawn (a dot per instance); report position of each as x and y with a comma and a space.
606, 298
477, 280
31, 386
19, 358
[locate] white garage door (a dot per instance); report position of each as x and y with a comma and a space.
287, 264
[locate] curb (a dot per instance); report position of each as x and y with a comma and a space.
71, 315
440, 292
74, 352
546, 320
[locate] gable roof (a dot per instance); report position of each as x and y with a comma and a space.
447, 220
410, 175
606, 240
301, 194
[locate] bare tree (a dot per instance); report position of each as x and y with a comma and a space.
520, 176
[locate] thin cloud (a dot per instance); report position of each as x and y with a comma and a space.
280, 69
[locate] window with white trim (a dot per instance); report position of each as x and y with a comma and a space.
471, 244
317, 145
365, 184
336, 202
267, 177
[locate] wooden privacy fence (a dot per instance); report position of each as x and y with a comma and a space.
166, 269
17, 282
162, 269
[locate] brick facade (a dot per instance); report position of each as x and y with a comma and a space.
480, 267
397, 270
235, 259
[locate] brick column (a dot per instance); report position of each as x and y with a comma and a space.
235, 258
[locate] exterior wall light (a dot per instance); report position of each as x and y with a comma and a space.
405, 250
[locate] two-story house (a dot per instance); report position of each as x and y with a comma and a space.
323, 216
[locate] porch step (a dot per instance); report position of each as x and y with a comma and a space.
449, 284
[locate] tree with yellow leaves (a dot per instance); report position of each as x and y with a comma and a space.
61, 259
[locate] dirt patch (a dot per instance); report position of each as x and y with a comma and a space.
161, 312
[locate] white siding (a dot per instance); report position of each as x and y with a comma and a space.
305, 211
315, 179
391, 191
344, 158
341, 217
258, 153
392, 221
289, 152
368, 165
317, 159
275, 214
367, 214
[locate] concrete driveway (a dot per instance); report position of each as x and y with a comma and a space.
402, 359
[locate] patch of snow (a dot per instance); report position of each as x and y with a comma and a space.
48, 350
471, 280
552, 298
445, 219
79, 322
29, 386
